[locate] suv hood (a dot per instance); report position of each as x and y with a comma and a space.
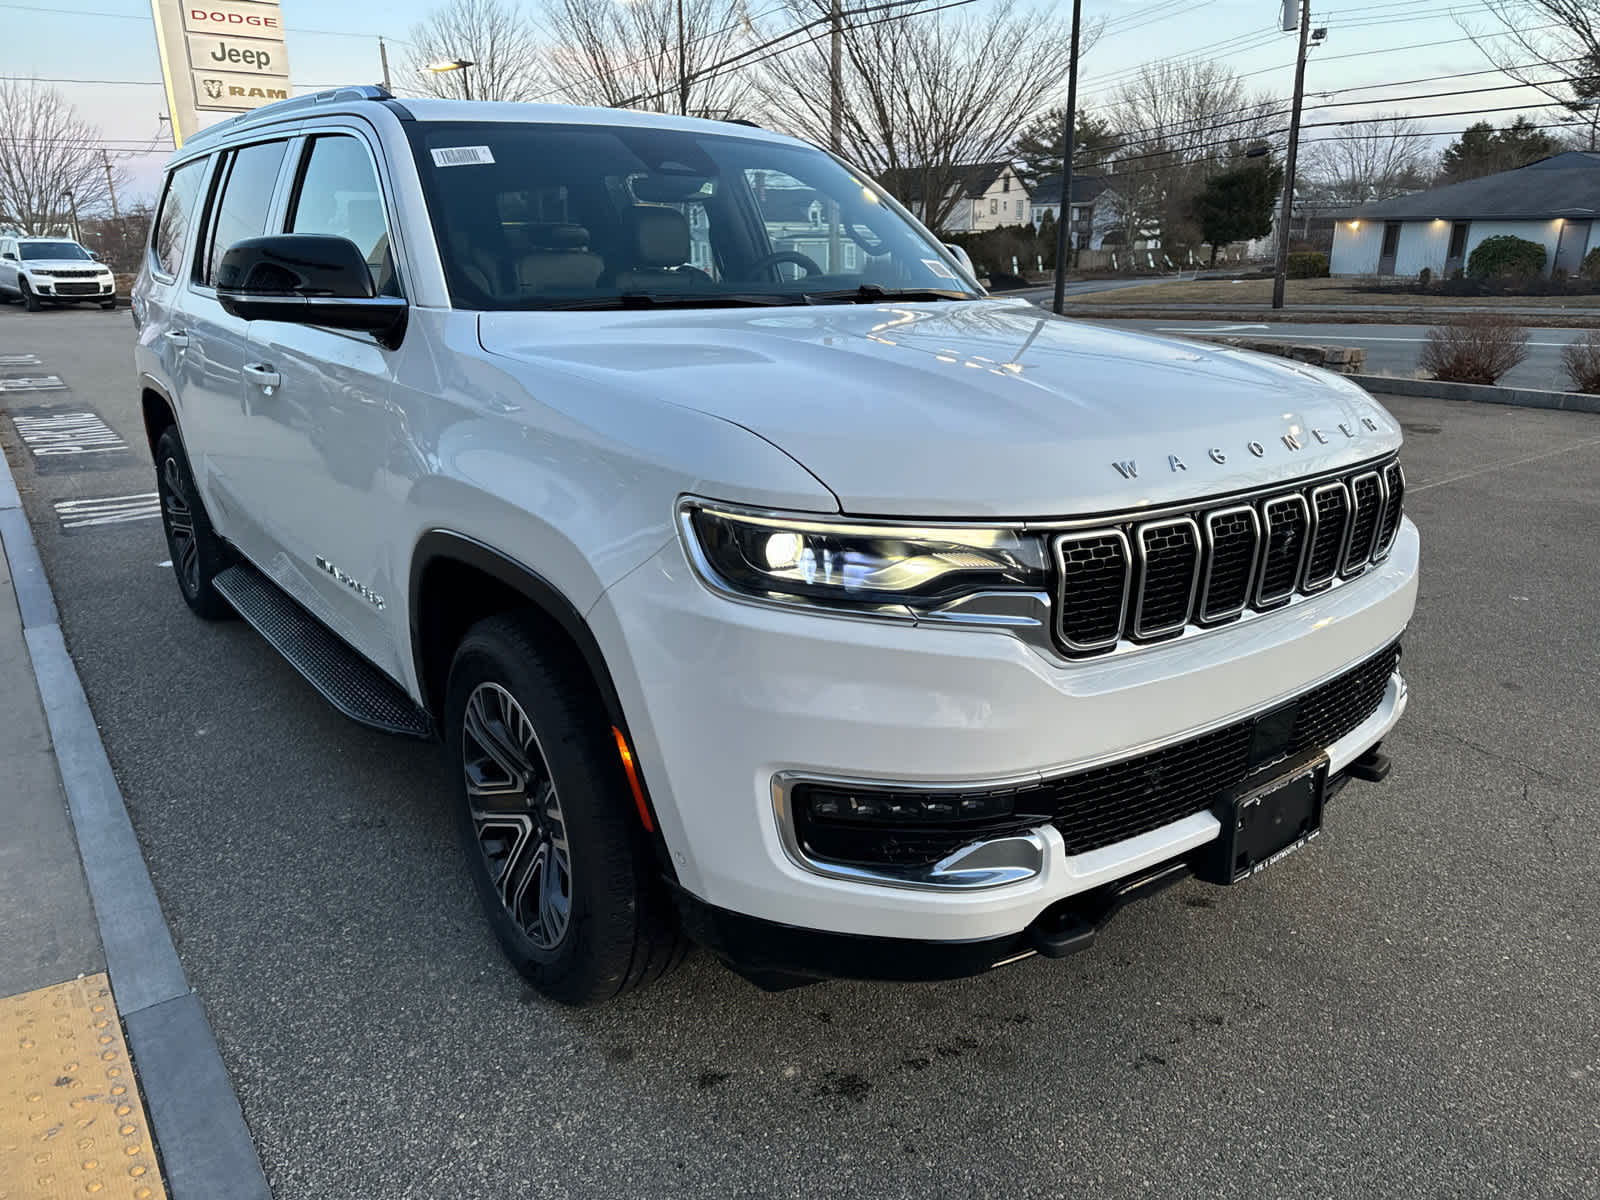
61, 264
974, 409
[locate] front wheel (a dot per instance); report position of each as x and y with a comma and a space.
29, 300
547, 819
198, 554
108, 305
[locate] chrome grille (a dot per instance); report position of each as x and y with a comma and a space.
1394, 490
1169, 557
1233, 541
1141, 581
1094, 568
1366, 491
1287, 521
1330, 524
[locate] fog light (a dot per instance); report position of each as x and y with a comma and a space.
831, 804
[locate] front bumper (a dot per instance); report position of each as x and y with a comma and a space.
724, 698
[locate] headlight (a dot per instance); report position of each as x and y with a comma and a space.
861, 565
34, 271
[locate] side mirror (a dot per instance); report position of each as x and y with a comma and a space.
963, 258
9, 257
95, 254
308, 279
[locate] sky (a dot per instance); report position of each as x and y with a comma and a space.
1372, 50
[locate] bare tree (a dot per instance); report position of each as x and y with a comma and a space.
1553, 46
1382, 156
642, 55
924, 93
494, 35
46, 152
1180, 122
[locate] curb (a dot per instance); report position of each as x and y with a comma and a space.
1479, 393
206, 1148
1556, 319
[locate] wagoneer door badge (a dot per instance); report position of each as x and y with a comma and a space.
1128, 468
355, 585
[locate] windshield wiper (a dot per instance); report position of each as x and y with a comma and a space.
869, 293
626, 300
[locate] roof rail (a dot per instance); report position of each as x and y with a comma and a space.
281, 108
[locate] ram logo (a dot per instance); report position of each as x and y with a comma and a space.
213, 88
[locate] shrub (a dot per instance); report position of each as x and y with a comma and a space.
1582, 361
1506, 255
1425, 276
1591, 265
1475, 349
1307, 264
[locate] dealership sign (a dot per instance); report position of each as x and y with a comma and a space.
219, 56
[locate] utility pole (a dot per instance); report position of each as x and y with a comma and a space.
683, 71
835, 122
1069, 138
1281, 269
110, 186
73, 201
383, 57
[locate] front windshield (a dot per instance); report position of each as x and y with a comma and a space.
53, 250
563, 216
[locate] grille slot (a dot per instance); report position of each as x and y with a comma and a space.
1095, 569
1330, 512
1286, 520
1169, 564
1394, 490
1108, 804
1233, 539
1366, 494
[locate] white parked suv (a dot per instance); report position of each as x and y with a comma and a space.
769, 585
39, 269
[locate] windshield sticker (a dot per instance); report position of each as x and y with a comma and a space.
461, 156
938, 268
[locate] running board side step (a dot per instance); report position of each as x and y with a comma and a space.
346, 680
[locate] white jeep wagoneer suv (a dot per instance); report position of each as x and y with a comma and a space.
769, 585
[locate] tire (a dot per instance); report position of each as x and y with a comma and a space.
198, 554
29, 300
108, 305
568, 880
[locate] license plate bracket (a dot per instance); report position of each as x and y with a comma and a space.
1265, 822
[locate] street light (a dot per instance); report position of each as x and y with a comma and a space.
454, 64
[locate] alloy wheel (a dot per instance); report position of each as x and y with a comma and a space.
516, 815
179, 518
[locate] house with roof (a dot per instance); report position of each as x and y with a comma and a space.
986, 196
1554, 202
1096, 208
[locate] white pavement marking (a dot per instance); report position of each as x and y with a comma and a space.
108, 510
1326, 337
67, 433
168, 563
32, 383
19, 360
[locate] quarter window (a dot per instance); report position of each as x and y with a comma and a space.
339, 195
252, 173
169, 235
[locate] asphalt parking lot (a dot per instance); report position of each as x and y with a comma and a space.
1408, 1008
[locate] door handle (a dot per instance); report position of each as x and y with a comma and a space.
178, 337
261, 374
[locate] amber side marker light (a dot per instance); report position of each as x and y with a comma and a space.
633, 780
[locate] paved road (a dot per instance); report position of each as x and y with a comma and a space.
1409, 1009
1391, 349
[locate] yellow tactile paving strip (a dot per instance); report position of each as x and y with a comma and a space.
71, 1122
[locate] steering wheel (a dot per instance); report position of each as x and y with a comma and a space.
808, 265
871, 249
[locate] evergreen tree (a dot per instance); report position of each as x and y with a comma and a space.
1038, 146
1484, 150
1237, 205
